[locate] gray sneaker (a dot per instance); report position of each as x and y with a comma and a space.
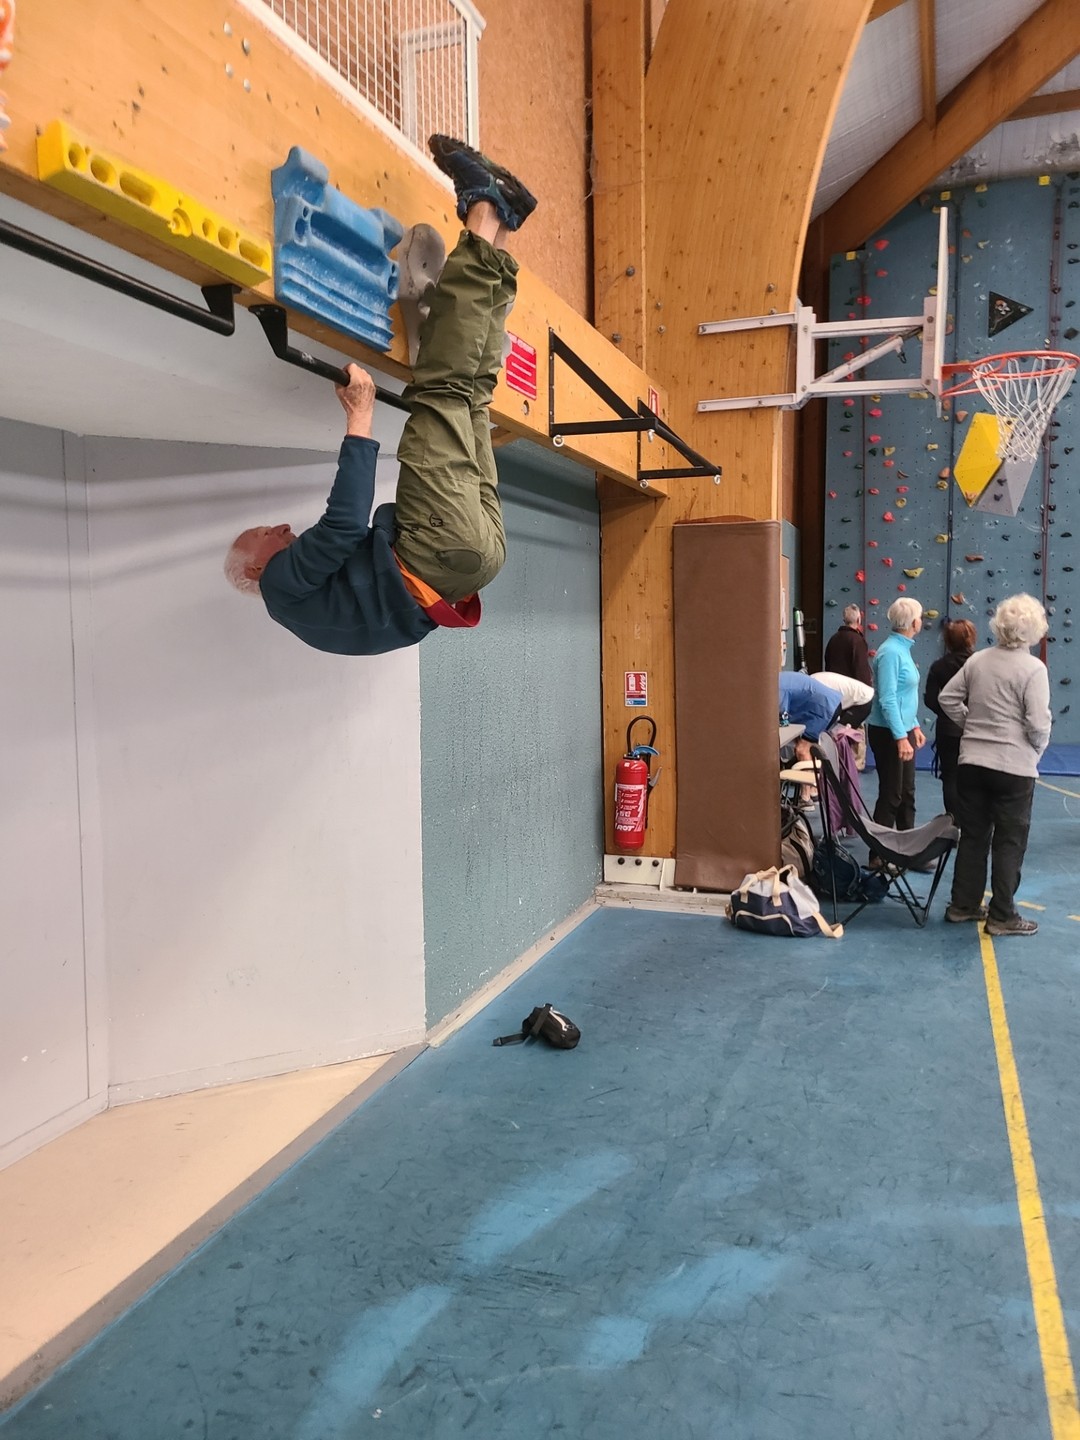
1015, 925
958, 915
421, 257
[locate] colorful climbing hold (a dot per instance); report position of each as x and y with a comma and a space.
931, 614
871, 544
832, 494
914, 574
872, 490
888, 464
901, 587
889, 450
881, 244
973, 559
900, 503
942, 539
959, 598
886, 560
860, 576
888, 517
847, 454
874, 439
874, 414
901, 489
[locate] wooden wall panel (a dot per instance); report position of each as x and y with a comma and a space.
533, 103
619, 43
739, 101
150, 82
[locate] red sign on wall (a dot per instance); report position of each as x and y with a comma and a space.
637, 687
521, 367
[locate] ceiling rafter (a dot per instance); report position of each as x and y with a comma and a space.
882, 7
928, 60
1058, 103
1044, 44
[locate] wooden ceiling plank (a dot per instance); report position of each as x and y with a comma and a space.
1044, 44
882, 7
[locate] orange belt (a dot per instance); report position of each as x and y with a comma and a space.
462, 615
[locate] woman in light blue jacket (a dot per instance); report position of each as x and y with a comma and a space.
892, 728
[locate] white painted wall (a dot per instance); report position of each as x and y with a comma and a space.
246, 896
260, 800
43, 1009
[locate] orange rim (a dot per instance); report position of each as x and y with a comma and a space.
990, 366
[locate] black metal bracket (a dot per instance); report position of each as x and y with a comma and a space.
642, 420
275, 323
219, 316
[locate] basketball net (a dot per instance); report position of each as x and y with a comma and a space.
1022, 388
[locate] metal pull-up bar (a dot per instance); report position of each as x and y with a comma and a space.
641, 420
219, 316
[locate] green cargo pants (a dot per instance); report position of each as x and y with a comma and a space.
449, 520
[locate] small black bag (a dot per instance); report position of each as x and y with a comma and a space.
547, 1023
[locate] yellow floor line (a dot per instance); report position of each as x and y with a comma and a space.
1030, 905
1074, 917
1058, 1374
1047, 786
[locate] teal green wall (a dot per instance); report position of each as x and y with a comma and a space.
510, 723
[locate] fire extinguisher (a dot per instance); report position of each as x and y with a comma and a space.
633, 782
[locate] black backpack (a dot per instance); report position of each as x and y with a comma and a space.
835, 864
796, 841
549, 1025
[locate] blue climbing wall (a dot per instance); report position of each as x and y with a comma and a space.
896, 522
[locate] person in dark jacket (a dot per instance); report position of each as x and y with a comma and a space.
959, 638
847, 652
354, 584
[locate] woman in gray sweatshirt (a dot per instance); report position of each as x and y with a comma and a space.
1001, 702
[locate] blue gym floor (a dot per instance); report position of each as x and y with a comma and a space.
769, 1197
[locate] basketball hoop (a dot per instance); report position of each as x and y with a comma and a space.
1022, 387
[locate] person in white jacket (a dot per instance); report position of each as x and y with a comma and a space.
1001, 702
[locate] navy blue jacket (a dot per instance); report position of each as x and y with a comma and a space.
337, 586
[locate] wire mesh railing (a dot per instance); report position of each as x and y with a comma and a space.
412, 63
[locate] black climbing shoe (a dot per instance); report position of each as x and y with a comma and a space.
476, 177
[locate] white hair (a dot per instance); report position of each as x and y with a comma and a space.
1019, 622
236, 563
851, 614
904, 612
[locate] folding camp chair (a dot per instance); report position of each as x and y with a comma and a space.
896, 851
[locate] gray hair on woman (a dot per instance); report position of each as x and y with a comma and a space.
1019, 622
852, 614
904, 612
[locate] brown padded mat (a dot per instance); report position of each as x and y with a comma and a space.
727, 659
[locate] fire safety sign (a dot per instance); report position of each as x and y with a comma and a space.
637, 687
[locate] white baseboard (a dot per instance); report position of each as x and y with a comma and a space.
52, 1129
446, 1027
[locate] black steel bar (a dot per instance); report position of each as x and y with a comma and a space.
220, 317
665, 432
600, 387
275, 323
603, 427
638, 421
679, 474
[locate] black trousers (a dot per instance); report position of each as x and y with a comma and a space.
996, 810
896, 780
948, 754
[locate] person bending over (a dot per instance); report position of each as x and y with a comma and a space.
357, 584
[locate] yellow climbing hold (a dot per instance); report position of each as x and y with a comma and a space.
71, 164
914, 574
942, 485
900, 503
889, 450
932, 445
942, 539
931, 614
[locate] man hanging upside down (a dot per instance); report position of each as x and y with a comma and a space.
357, 584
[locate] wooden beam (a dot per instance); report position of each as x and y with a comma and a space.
209, 98
882, 7
928, 61
1044, 44
732, 155
619, 41
1058, 103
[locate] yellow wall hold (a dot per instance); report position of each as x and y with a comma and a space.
978, 461
931, 614
914, 574
70, 164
